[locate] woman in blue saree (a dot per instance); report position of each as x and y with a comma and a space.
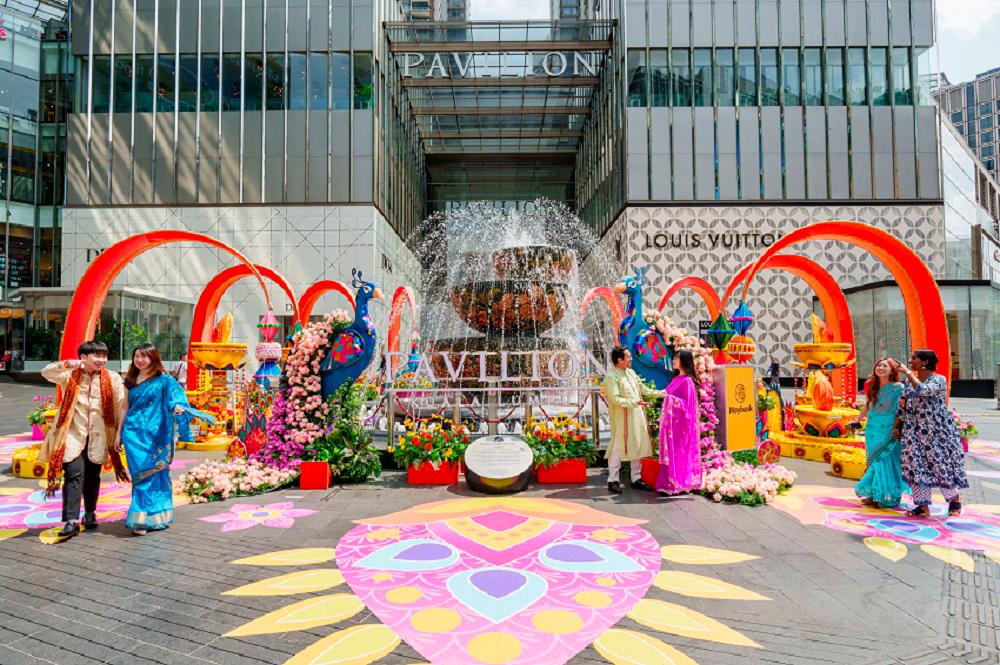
883, 483
155, 400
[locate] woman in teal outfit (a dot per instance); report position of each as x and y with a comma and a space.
882, 483
146, 432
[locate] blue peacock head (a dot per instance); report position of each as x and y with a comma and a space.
631, 286
366, 290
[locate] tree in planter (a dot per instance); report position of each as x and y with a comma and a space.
346, 446
122, 338
557, 440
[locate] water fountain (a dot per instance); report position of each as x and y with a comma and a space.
509, 280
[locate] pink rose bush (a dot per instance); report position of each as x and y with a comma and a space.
704, 364
215, 480
746, 484
299, 411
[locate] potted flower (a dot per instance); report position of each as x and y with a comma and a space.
562, 449
966, 429
409, 385
37, 416
431, 450
345, 451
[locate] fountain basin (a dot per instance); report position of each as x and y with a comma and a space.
543, 262
510, 307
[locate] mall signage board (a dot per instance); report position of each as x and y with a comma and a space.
499, 65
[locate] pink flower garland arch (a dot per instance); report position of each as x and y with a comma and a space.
299, 410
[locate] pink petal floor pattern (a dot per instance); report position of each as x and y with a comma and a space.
988, 451
499, 580
27, 508
978, 528
9, 444
247, 515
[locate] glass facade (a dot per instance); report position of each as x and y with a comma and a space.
973, 109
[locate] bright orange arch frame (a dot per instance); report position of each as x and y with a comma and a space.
701, 287
88, 299
831, 297
312, 295
403, 296
208, 302
925, 313
607, 294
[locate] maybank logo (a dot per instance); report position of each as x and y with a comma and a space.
741, 393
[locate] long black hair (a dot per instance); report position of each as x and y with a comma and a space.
686, 359
155, 364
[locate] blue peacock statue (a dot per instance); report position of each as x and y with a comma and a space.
354, 346
652, 357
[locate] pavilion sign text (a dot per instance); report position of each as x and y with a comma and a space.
498, 65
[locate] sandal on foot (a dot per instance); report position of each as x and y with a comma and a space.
955, 508
919, 511
138, 532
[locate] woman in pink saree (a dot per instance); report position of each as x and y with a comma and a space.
680, 449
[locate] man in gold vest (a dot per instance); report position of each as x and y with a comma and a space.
83, 437
624, 391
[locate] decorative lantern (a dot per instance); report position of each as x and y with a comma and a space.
269, 326
742, 319
720, 332
741, 349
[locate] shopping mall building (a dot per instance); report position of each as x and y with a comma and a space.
315, 135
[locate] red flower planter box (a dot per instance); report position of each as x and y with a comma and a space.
314, 476
650, 470
424, 473
564, 471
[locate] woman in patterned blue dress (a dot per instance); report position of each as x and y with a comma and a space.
882, 483
932, 449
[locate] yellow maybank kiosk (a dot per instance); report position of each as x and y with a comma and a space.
736, 406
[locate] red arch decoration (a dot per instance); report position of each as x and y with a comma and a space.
701, 287
318, 290
85, 308
403, 296
208, 303
831, 298
609, 296
924, 308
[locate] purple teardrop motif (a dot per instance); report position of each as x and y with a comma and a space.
423, 552
498, 583
573, 554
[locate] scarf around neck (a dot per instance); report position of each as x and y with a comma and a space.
108, 415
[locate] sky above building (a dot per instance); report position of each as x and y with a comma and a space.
967, 37
967, 33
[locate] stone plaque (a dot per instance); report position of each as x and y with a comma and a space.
498, 464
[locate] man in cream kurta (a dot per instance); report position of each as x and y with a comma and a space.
86, 438
625, 391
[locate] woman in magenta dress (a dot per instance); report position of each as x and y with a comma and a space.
680, 449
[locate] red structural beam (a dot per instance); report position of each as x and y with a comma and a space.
607, 294
317, 291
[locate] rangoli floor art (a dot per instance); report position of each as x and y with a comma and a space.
889, 531
27, 508
496, 580
8, 444
988, 451
242, 516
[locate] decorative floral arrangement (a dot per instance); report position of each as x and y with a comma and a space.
412, 381
966, 428
747, 485
43, 403
766, 401
704, 364
346, 445
299, 414
216, 480
552, 441
435, 440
